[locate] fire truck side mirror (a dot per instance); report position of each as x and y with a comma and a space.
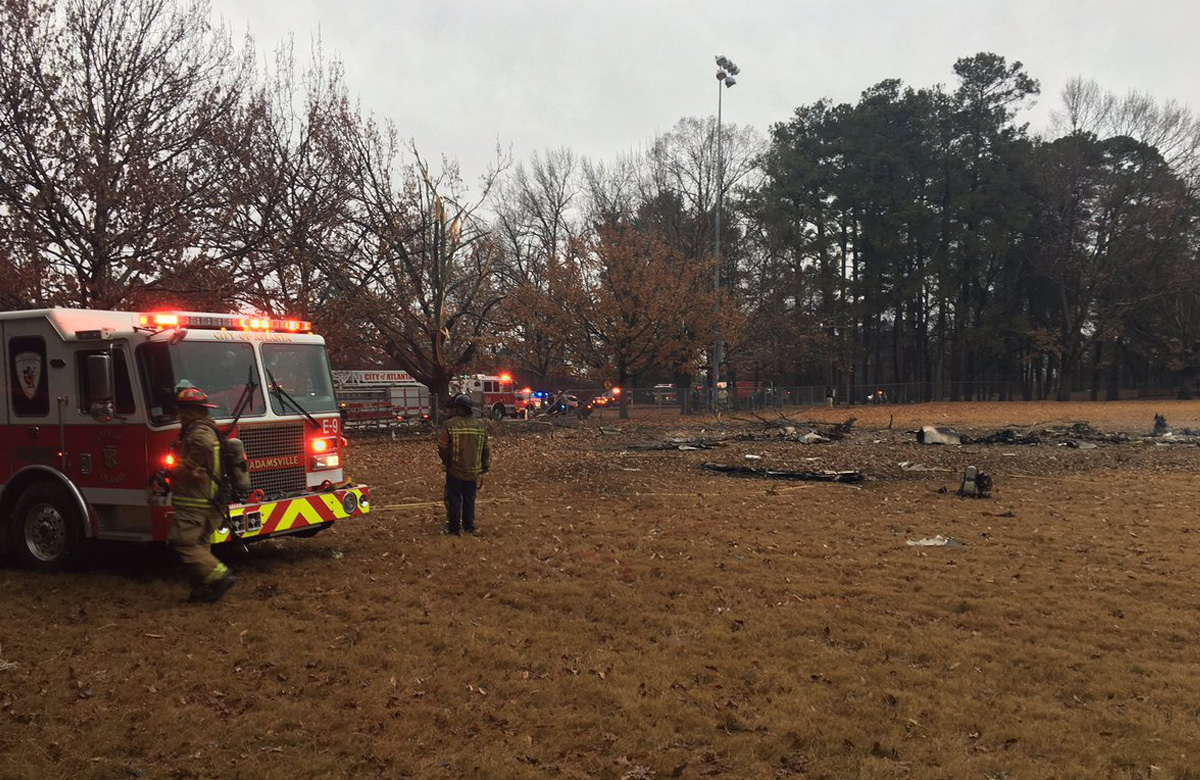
100, 387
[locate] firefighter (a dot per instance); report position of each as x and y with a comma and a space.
195, 482
463, 447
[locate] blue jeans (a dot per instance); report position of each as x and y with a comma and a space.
460, 504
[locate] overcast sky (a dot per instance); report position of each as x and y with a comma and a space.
603, 78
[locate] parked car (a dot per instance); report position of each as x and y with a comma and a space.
562, 403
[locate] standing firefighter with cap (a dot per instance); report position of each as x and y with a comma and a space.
195, 487
463, 447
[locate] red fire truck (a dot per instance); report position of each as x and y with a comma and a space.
492, 394
89, 416
381, 397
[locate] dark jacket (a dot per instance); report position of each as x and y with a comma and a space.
463, 447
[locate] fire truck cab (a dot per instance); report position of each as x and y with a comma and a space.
492, 395
88, 417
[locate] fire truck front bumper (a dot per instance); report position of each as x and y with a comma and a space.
304, 515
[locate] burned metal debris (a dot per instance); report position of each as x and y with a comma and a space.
796, 476
931, 434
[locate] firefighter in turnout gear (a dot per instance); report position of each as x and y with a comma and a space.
463, 447
195, 482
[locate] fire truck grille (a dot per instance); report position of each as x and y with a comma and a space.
276, 455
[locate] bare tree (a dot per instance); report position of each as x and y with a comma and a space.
537, 216
114, 126
290, 208
424, 277
1169, 126
682, 169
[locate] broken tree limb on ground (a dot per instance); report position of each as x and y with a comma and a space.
676, 444
798, 476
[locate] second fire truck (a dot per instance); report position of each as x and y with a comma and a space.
493, 395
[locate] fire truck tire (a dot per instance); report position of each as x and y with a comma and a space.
47, 532
498, 412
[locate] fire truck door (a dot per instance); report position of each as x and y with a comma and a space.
31, 403
110, 455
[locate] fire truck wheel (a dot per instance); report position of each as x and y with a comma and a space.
498, 412
47, 532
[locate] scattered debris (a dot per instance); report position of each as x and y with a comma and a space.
935, 541
753, 457
1161, 428
1006, 436
842, 430
806, 476
908, 465
1076, 444
975, 484
812, 437
930, 434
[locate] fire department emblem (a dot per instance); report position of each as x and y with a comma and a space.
29, 371
110, 457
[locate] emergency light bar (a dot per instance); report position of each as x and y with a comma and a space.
165, 320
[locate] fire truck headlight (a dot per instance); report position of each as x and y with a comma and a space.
323, 462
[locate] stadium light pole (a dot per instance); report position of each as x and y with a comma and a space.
726, 70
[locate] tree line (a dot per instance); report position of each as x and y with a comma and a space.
919, 235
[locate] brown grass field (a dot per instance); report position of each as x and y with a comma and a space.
626, 615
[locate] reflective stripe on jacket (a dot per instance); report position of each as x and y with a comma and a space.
198, 462
463, 447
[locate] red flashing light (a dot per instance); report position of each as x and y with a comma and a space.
267, 324
506, 377
168, 460
159, 320
616, 391
321, 445
164, 320
526, 389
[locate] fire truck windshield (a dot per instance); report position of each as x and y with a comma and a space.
302, 371
220, 369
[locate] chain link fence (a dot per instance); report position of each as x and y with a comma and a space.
663, 399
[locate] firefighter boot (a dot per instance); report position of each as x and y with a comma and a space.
214, 585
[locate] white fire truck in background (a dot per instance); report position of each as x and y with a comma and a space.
380, 397
89, 416
493, 395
